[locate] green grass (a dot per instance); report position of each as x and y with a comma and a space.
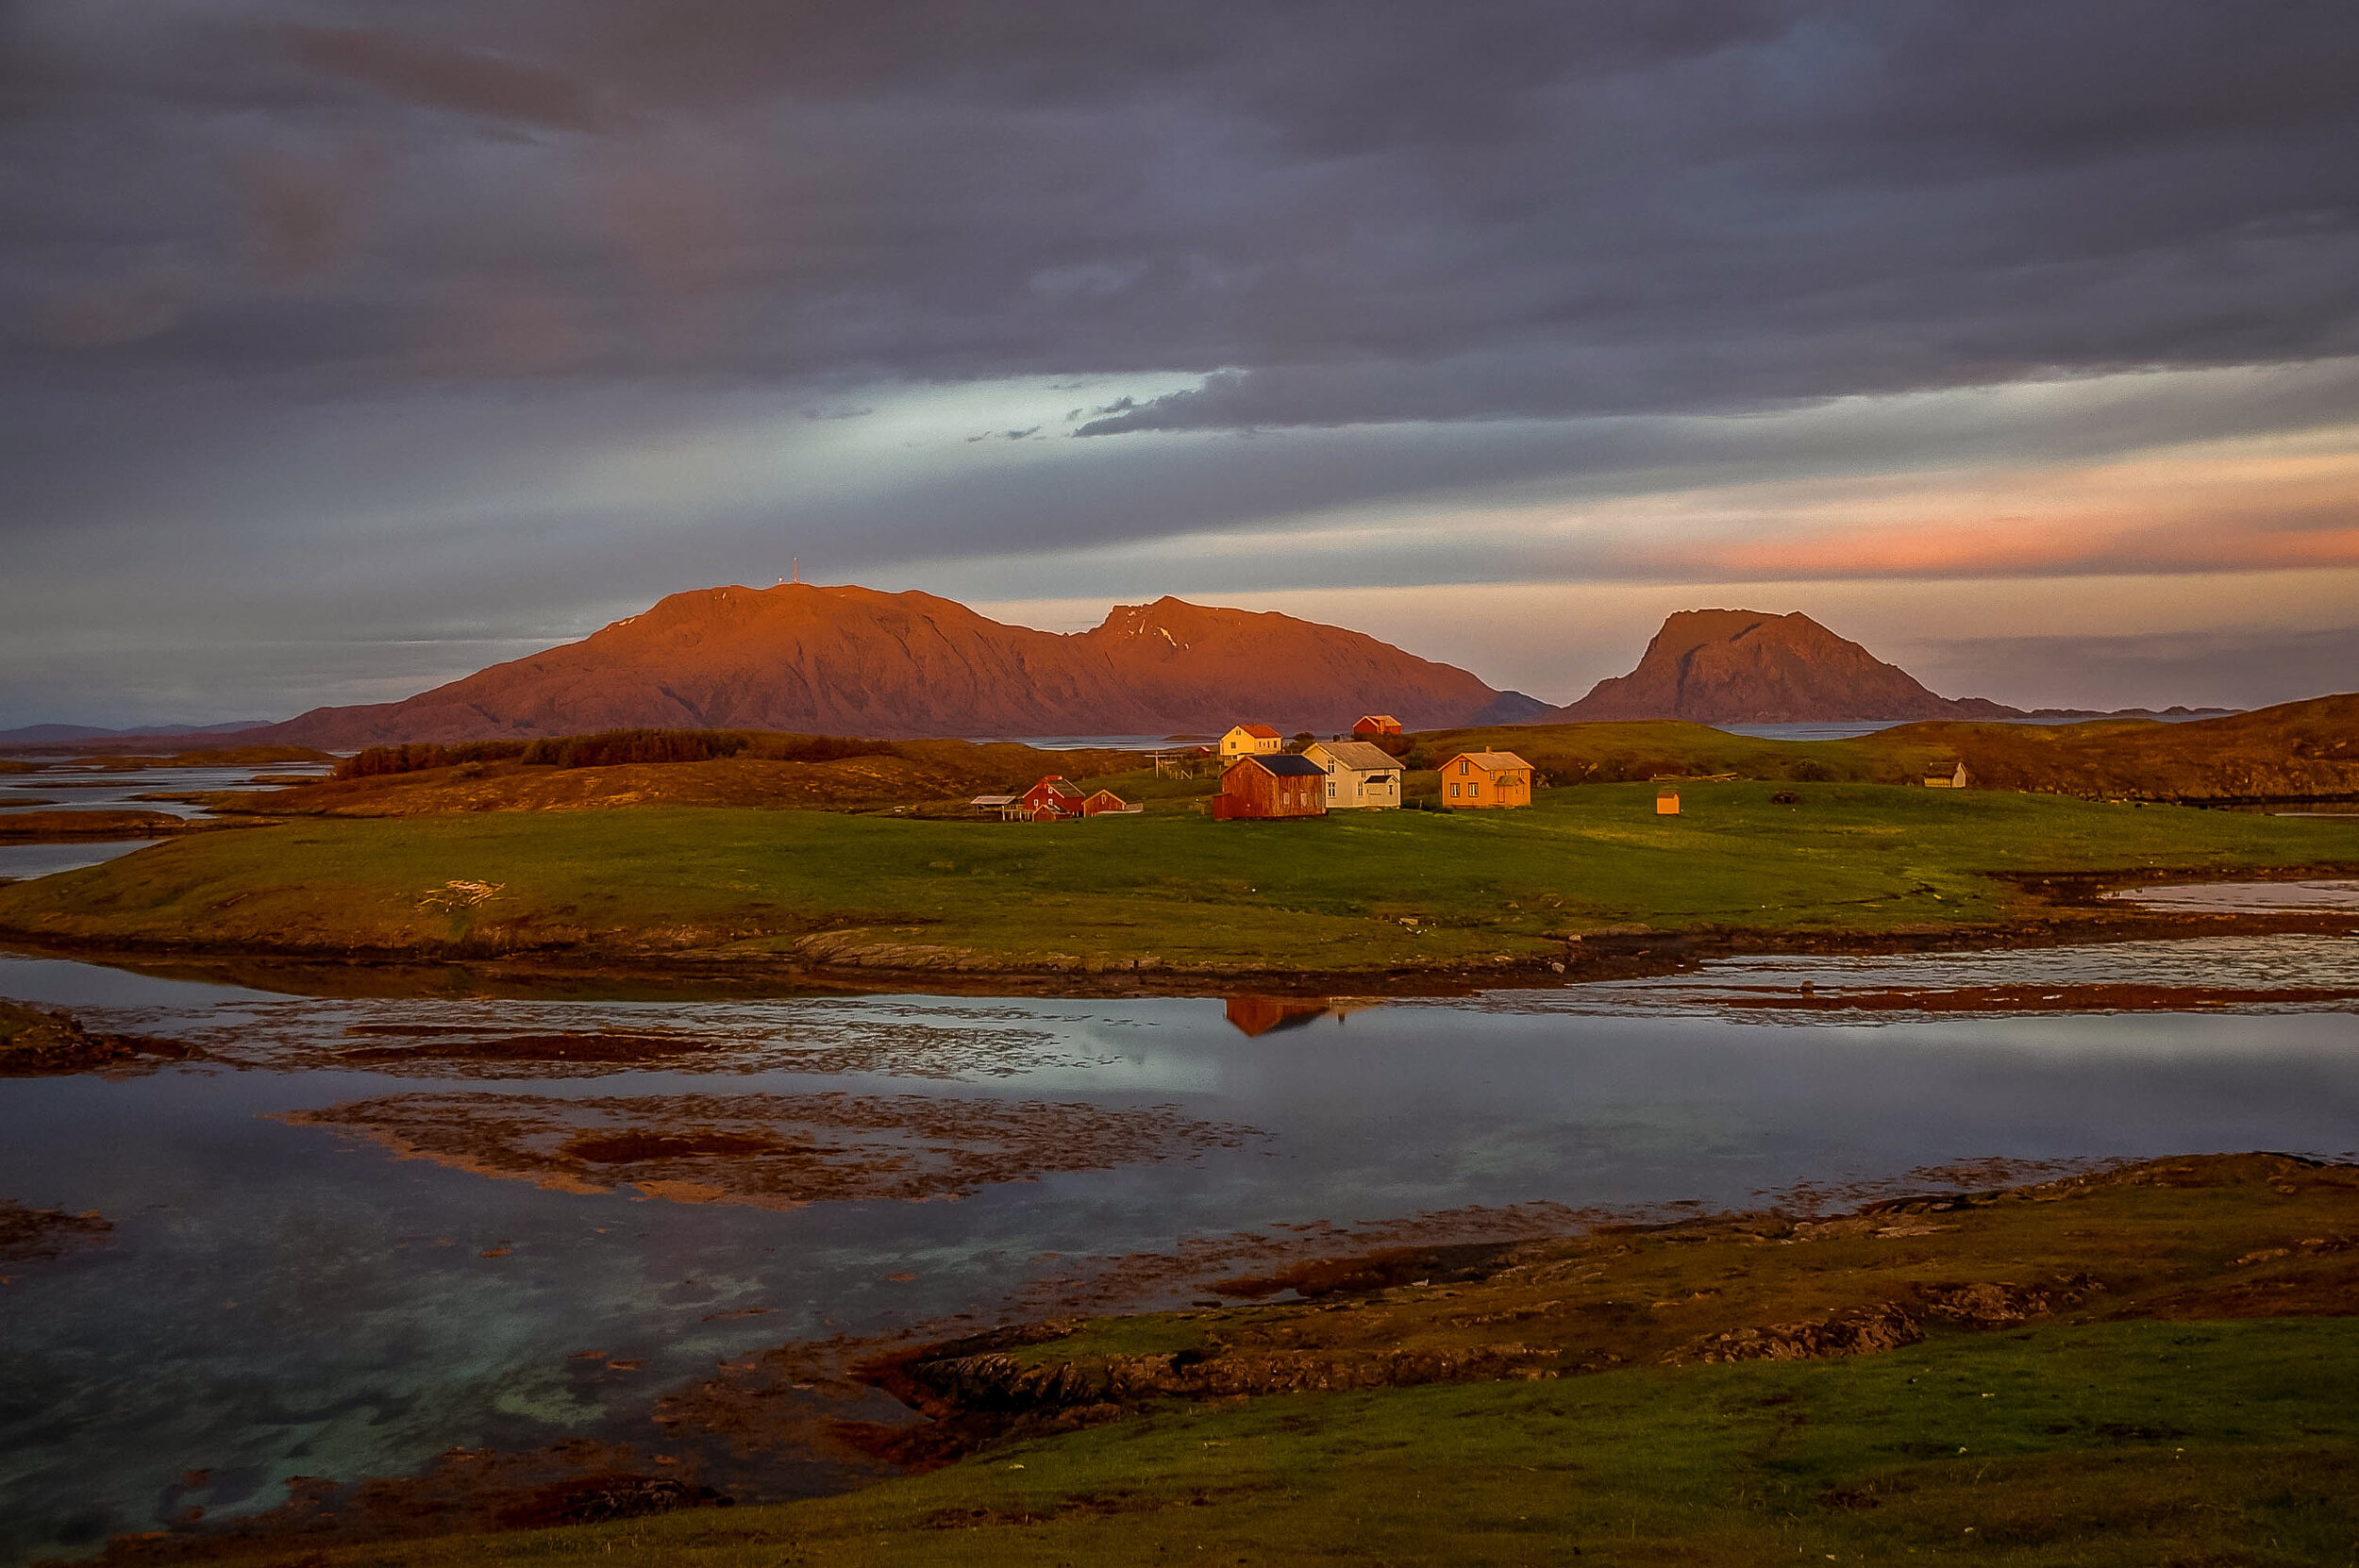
1323, 895
2136, 1443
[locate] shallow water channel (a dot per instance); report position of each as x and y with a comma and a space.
355, 1293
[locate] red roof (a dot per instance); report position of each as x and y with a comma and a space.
1260, 732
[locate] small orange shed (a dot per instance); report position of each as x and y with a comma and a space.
1667, 803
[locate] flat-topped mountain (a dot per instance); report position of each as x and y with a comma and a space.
1744, 666
849, 661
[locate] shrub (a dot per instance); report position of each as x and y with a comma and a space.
377, 762
613, 748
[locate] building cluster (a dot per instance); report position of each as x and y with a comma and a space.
1261, 780
1053, 799
1264, 781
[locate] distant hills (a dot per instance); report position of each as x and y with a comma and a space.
39, 735
1744, 666
849, 661
1749, 667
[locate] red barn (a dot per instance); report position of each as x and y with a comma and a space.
1368, 724
1260, 787
1104, 803
1051, 800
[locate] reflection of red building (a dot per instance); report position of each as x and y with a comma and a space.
1258, 1016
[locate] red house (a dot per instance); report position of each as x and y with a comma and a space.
1374, 723
1104, 803
1262, 788
1051, 800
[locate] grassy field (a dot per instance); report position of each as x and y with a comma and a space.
2134, 1445
1165, 890
2189, 1407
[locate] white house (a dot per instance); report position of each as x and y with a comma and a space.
1359, 774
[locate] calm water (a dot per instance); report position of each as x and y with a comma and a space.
59, 787
283, 1300
19, 862
65, 788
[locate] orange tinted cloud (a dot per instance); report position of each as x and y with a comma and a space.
2232, 506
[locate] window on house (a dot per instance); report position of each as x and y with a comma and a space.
1462, 770
1453, 790
1474, 789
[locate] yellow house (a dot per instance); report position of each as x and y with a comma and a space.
1486, 780
1251, 740
1360, 776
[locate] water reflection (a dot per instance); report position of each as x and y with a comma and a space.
290, 1291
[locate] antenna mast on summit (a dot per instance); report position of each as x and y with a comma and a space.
797, 567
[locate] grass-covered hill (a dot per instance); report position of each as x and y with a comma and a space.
639, 768
1167, 890
2303, 750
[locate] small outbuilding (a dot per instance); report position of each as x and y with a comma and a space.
1486, 780
1258, 788
1667, 803
1361, 775
1368, 725
1103, 803
1949, 782
1251, 740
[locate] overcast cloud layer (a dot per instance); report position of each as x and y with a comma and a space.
350, 345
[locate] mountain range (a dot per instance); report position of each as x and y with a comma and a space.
849, 660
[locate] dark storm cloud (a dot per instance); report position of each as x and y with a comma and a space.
440, 78
328, 304
1337, 212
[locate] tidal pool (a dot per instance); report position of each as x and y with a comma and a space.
312, 1272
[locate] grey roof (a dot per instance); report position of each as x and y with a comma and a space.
1286, 764
1360, 756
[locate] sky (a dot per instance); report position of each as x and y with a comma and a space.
347, 347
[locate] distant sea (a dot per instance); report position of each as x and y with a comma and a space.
1869, 727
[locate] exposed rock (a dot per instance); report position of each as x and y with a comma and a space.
36, 1235
35, 1041
1887, 1324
